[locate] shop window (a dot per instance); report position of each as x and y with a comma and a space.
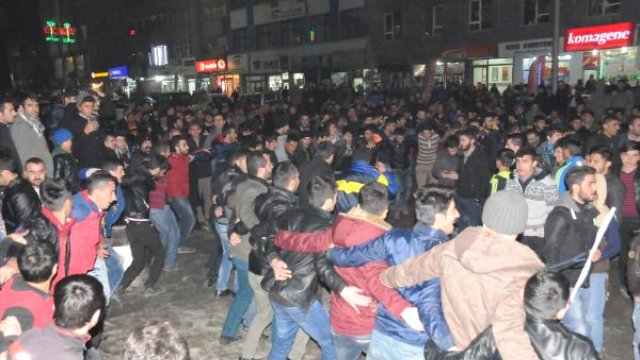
536, 11
239, 40
392, 26
480, 15
603, 7
352, 24
437, 20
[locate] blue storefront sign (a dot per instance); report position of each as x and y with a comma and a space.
120, 72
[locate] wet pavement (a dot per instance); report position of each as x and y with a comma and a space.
198, 314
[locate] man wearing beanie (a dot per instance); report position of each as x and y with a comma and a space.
569, 233
483, 272
64, 163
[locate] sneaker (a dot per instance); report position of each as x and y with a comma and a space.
170, 269
153, 290
224, 293
226, 340
186, 250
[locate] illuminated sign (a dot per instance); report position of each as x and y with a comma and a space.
99, 74
212, 65
599, 37
65, 33
119, 72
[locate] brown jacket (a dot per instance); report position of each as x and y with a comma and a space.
482, 280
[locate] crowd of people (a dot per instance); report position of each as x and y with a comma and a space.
297, 201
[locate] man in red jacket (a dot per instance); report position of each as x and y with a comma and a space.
178, 190
363, 223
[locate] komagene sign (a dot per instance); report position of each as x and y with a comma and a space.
599, 37
212, 65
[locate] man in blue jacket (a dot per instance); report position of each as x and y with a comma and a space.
392, 338
360, 174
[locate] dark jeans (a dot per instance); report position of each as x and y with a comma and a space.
627, 227
470, 212
143, 236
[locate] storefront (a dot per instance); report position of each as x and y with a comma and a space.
470, 65
491, 72
213, 76
606, 51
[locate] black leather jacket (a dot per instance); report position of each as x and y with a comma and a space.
65, 167
136, 186
20, 202
550, 339
307, 268
268, 207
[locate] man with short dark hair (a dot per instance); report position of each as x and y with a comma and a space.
7, 117
88, 138
199, 174
26, 296
178, 181
473, 177
569, 234
539, 190
28, 132
78, 302
35, 172
259, 168
568, 154
320, 165
606, 137
294, 302
20, 201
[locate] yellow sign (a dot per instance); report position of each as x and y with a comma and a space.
99, 74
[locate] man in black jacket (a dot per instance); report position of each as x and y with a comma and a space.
268, 207
473, 177
569, 234
293, 296
20, 201
7, 117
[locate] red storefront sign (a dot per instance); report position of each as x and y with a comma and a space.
599, 37
212, 65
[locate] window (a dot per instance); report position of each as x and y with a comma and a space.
536, 11
480, 15
293, 32
240, 40
319, 28
437, 23
392, 26
603, 7
182, 50
266, 36
352, 24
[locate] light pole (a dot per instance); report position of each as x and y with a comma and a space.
555, 50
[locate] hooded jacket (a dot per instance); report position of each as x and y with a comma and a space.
353, 228
395, 247
569, 232
482, 279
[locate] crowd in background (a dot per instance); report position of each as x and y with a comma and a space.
297, 198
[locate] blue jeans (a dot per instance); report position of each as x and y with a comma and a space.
101, 274
165, 222
576, 318
241, 301
186, 219
384, 347
350, 347
226, 265
596, 301
115, 271
289, 319
404, 183
636, 334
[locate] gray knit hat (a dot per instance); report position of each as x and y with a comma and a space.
505, 212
